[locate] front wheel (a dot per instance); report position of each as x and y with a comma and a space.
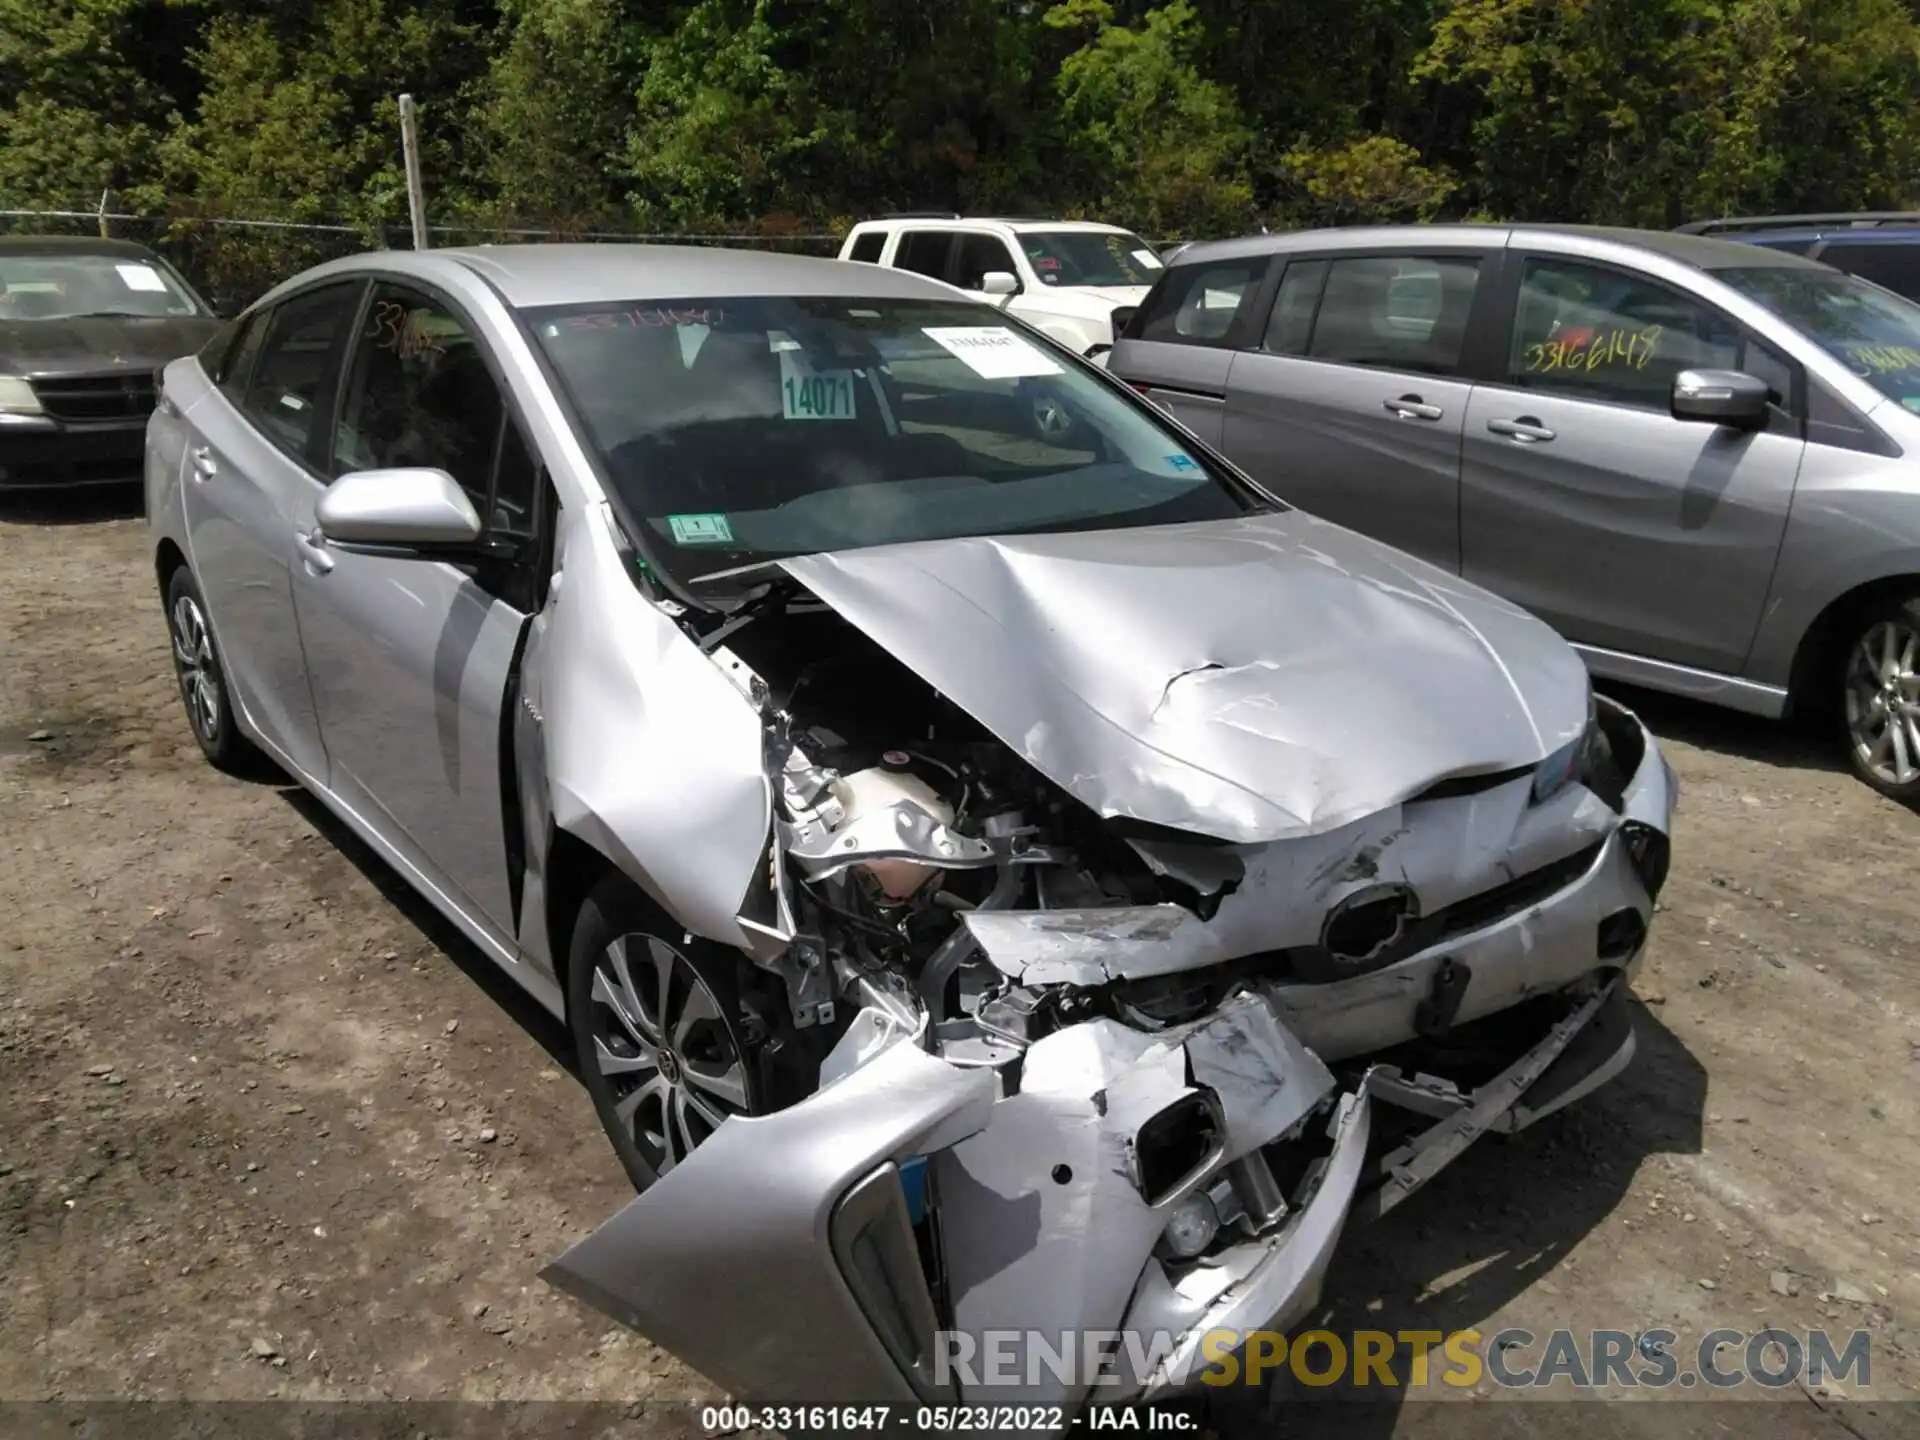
1881, 689
657, 1029
203, 680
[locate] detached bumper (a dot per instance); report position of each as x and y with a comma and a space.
41, 454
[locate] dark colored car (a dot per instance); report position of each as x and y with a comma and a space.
85, 325
1883, 247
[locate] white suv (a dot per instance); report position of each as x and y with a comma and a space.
1064, 277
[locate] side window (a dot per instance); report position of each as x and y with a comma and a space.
977, 255
924, 252
1197, 305
1291, 324
1897, 267
1396, 312
290, 383
419, 394
1607, 335
230, 357
867, 246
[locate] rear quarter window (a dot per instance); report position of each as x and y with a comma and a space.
867, 247
1198, 304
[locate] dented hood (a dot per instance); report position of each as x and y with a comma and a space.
1250, 679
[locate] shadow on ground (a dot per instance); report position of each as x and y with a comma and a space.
494, 982
1486, 1230
1789, 744
73, 507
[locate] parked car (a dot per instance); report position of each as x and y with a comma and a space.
1066, 278
1696, 459
85, 325
1883, 247
997, 864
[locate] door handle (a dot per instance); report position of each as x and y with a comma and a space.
1412, 407
313, 551
1526, 430
203, 466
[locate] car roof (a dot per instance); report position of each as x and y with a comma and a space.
1699, 251
1019, 224
530, 276
71, 245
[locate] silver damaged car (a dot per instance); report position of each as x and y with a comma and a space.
1002, 869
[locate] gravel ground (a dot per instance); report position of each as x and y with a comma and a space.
269, 1128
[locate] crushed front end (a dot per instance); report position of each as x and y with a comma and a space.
1061, 1071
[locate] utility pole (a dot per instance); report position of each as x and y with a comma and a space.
410, 147
104, 232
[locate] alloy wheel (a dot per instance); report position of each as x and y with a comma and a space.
1051, 418
1883, 702
193, 662
665, 1049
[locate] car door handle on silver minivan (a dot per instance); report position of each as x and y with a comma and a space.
313, 551
1412, 407
203, 466
1526, 429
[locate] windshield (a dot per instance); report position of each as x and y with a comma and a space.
1873, 330
1090, 257
61, 286
742, 429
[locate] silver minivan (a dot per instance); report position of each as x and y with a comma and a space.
1696, 459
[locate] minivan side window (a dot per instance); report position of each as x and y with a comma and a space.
1196, 304
1396, 312
1290, 326
1607, 335
867, 246
291, 382
924, 252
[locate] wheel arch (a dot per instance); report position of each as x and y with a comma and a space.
167, 558
1822, 646
574, 869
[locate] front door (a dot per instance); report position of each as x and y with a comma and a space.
409, 659
1583, 498
250, 470
1353, 403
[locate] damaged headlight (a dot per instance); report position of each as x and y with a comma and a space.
1569, 762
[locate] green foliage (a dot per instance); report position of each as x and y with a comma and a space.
1179, 117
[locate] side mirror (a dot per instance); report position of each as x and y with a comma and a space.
1000, 282
1721, 397
397, 510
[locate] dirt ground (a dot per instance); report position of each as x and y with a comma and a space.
268, 1128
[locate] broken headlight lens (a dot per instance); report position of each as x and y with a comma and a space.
1191, 1227
1569, 762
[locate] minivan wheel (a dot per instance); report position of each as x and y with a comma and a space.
203, 682
1881, 687
657, 1030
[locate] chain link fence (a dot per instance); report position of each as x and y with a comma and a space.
234, 259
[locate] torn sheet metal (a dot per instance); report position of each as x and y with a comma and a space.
724, 1259
1250, 679
1043, 1226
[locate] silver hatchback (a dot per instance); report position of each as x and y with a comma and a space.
1000, 868
1700, 461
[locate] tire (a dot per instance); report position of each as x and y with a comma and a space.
203, 680
1878, 687
655, 1100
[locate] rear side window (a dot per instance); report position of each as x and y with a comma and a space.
867, 247
924, 252
1197, 304
291, 383
1897, 267
1290, 326
1396, 312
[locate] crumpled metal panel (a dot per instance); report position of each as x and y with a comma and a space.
1252, 679
653, 756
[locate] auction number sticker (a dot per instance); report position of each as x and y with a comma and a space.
141, 277
700, 529
992, 352
810, 394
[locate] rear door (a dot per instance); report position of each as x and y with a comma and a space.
1583, 499
1178, 350
251, 470
410, 658
1351, 400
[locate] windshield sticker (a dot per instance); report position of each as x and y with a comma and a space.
1591, 349
700, 529
644, 319
1147, 258
142, 277
1180, 464
809, 394
1871, 360
992, 352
